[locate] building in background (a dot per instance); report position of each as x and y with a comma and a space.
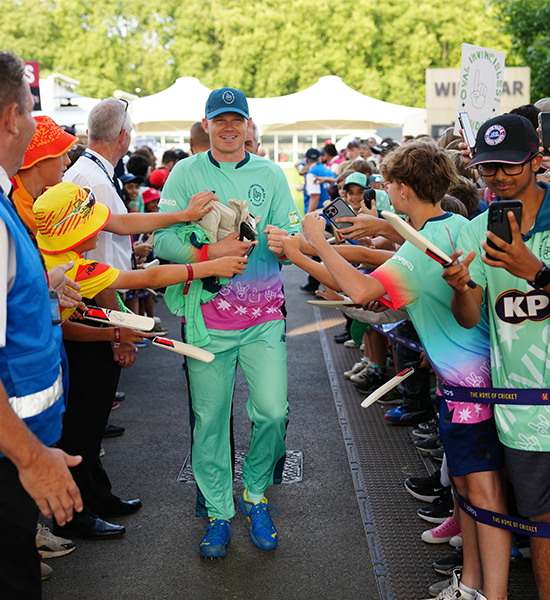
442, 86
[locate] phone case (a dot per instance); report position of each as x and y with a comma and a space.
337, 210
498, 219
544, 132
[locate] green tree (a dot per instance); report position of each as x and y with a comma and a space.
265, 47
528, 24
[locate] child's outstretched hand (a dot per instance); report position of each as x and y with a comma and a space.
329, 294
291, 245
198, 206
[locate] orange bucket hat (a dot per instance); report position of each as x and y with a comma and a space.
67, 215
48, 141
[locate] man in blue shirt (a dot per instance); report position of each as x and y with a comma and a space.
32, 374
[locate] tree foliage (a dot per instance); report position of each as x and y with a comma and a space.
528, 24
264, 47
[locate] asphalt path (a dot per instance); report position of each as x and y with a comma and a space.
322, 550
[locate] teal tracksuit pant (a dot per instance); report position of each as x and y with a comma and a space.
261, 353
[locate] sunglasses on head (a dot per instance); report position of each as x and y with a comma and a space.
83, 209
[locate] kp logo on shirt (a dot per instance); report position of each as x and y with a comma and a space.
515, 307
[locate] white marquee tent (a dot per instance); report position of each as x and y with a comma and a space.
327, 106
289, 125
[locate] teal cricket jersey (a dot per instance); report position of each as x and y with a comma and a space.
460, 357
519, 327
255, 296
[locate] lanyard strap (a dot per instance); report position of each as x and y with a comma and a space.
514, 524
93, 158
525, 397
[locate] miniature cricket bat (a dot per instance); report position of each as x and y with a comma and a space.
389, 385
182, 348
418, 240
121, 319
333, 303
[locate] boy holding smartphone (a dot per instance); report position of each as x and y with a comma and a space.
516, 284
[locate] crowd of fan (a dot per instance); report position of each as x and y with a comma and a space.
430, 172
468, 192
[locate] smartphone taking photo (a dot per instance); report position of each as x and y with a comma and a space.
467, 131
337, 210
498, 222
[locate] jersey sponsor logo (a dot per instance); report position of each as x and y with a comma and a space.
515, 307
167, 202
256, 194
293, 218
495, 135
91, 268
404, 262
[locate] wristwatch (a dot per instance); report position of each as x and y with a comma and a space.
542, 278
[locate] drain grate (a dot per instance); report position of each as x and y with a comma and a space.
381, 457
292, 472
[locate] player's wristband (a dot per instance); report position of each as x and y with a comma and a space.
190, 277
116, 343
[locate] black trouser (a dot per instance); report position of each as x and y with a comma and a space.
93, 381
19, 561
416, 388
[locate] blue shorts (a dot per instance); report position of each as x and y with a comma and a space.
471, 448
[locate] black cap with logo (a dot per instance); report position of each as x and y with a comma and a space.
510, 139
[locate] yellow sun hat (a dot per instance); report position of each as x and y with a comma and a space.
67, 215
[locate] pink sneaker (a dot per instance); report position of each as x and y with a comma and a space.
442, 533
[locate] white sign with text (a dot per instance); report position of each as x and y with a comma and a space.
481, 84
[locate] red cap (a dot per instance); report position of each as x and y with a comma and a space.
158, 177
150, 194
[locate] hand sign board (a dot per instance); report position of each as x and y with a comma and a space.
481, 84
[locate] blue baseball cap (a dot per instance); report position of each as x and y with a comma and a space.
226, 100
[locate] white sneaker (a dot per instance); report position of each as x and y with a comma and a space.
454, 592
49, 545
435, 588
362, 375
456, 541
45, 571
357, 367
350, 344
480, 596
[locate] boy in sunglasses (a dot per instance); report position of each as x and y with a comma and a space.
515, 284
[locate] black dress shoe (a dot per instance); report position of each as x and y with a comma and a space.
113, 431
89, 527
119, 508
340, 338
